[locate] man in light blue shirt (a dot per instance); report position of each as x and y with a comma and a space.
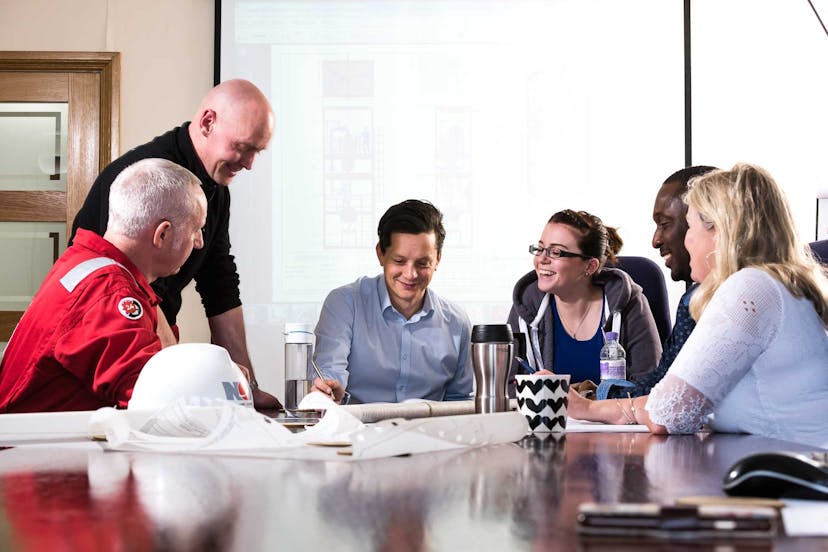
389, 338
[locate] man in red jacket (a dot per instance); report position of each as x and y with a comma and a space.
92, 325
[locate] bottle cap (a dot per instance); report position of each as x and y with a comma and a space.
611, 336
491, 333
298, 332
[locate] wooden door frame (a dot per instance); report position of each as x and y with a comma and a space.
94, 141
107, 67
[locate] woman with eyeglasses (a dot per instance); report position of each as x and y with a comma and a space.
757, 360
571, 299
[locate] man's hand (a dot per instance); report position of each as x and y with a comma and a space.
262, 400
227, 330
586, 388
330, 387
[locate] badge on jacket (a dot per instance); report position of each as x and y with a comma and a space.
130, 308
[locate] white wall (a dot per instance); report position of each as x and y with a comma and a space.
166, 66
759, 93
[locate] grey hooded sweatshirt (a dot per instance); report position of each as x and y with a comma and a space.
638, 333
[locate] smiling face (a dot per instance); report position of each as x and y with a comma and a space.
408, 265
231, 143
669, 215
700, 242
233, 123
555, 275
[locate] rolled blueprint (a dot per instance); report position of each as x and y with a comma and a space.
374, 412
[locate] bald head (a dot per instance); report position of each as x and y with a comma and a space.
233, 123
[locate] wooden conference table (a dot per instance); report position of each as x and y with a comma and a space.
521, 496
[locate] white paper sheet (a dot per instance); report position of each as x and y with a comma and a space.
574, 425
40, 426
230, 429
394, 437
805, 518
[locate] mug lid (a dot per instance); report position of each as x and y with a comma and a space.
491, 333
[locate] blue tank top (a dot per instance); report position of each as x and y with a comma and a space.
580, 359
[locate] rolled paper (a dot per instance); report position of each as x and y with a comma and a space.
375, 412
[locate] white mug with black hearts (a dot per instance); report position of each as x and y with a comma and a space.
543, 400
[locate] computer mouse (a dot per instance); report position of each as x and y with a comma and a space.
779, 475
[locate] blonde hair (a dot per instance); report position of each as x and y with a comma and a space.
754, 228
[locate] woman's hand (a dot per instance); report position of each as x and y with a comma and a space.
578, 406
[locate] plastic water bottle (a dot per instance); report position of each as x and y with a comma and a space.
613, 359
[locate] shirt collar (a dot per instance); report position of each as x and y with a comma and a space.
385, 301
685, 299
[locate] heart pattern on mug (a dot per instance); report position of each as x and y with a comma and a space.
538, 407
549, 423
537, 385
543, 401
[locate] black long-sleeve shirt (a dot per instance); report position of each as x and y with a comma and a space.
213, 267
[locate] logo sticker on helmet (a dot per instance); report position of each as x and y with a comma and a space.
242, 392
234, 391
130, 308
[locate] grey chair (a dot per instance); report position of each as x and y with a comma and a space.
820, 249
647, 274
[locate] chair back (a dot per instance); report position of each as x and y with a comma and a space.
820, 249
647, 274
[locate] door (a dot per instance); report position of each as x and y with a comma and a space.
59, 126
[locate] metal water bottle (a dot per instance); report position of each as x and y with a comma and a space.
492, 350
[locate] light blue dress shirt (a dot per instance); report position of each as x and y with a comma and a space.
379, 356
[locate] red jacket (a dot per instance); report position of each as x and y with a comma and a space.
88, 332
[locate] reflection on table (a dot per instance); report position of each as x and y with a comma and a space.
505, 497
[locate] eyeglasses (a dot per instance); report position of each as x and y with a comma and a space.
554, 252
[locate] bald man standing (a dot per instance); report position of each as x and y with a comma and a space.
233, 123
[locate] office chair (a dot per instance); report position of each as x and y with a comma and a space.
648, 275
820, 249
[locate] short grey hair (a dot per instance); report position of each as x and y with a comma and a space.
149, 192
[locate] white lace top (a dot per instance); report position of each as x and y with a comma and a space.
757, 361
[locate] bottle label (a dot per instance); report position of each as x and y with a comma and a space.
613, 369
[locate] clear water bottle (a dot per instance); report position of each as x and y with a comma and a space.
613, 359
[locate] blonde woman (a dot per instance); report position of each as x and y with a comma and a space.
757, 361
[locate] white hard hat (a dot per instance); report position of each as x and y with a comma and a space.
190, 371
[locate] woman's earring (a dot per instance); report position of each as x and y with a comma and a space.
707, 259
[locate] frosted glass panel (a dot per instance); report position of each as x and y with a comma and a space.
33, 146
30, 250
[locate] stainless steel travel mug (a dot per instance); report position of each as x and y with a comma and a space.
492, 351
